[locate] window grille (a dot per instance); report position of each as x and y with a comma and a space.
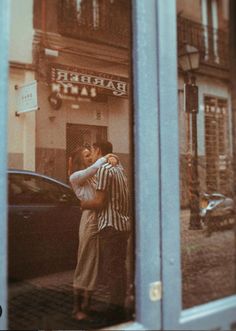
217, 145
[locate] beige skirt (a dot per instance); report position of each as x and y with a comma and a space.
86, 272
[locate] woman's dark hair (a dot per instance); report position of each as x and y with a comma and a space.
105, 146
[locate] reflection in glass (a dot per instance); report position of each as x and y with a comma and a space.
69, 78
206, 173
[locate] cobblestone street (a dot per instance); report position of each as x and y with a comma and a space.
46, 303
208, 264
208, 271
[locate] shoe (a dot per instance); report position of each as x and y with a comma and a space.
81, 316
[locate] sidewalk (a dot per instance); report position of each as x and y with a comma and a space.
46, 303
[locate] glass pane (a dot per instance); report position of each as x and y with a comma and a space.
206, 153
70, 204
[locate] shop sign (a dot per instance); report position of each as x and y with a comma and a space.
26, 97
84, 83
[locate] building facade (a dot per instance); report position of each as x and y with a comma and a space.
184, 280
205, 25
83, 82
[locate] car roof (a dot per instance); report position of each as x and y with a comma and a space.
33, 173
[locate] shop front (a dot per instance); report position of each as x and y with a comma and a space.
79, 107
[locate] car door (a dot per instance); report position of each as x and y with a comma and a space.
43, 226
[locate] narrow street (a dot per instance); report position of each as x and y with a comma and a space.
208, 264
47, 302
208, 272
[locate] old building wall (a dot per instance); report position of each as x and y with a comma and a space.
190, 9
21, 128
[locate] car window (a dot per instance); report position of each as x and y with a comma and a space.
31, 189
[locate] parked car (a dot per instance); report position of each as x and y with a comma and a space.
43, 223
216, 212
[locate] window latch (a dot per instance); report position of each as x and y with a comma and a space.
155, 291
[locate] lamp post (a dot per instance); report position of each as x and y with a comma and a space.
189, 61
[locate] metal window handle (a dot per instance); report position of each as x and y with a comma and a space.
155, 291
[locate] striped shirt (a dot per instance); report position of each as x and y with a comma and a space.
116, 212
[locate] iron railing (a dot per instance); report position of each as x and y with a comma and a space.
213, 44
104, 21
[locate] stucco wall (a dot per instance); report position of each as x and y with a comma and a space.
21, 129
51, 124
189, 9
21, 31
15, 160
51, 129
119, 124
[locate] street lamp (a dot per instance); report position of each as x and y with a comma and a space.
188, 58
189, 61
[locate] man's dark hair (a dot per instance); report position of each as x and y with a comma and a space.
105, 146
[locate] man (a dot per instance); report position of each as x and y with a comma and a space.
112, 204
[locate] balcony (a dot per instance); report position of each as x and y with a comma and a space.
100, 21
213, 44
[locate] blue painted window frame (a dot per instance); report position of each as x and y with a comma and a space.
215, 315
156, 175
147, 181
4, 38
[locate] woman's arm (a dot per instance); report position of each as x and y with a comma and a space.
78, 178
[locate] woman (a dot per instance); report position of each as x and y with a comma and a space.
85, 277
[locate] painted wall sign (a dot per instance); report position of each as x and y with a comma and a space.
84, 83
26, 97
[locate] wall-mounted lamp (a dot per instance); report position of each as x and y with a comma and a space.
189, 58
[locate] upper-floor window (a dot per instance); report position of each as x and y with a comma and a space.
208, 32
103, 21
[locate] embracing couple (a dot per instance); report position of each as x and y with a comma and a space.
101, 186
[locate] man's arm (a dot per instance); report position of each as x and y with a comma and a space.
98, 202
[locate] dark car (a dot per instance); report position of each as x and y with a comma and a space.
216, 212
43, 223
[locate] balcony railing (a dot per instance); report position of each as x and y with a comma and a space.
213, 44
103, 21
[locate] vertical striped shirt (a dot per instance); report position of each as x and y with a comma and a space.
116, 212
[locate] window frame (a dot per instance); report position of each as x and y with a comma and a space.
4, 38
156, 167
215, 315
145, 87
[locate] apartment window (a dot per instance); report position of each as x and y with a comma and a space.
99, 20
218, 156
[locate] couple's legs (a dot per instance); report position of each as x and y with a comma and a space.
113, 249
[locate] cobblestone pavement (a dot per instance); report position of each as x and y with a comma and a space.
46, 303
208, 264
